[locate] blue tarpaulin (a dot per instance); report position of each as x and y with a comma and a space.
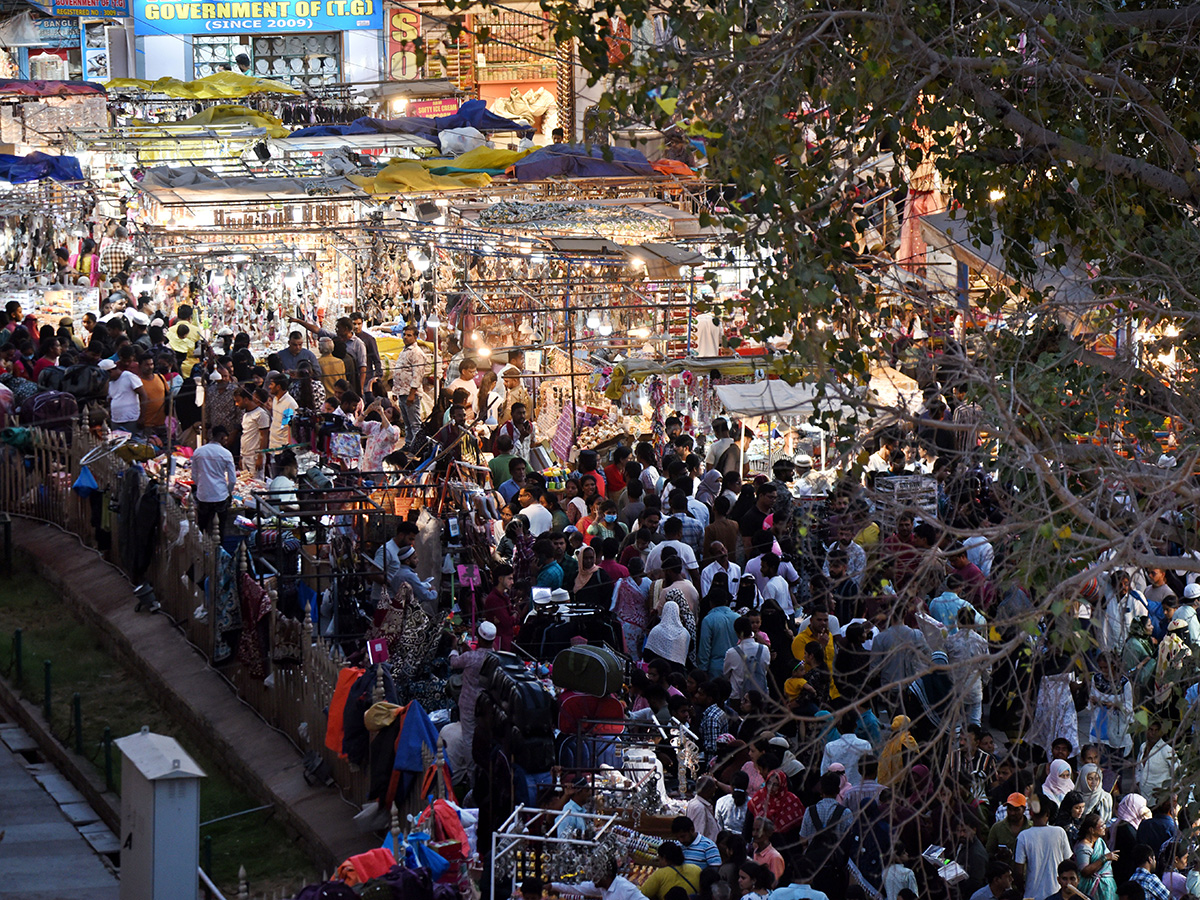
417, 125
36, 166
582, 161
475, 114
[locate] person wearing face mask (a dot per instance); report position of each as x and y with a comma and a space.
605, 525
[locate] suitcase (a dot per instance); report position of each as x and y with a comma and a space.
500, 661
525, 702
50, 409
589, 670
533, 754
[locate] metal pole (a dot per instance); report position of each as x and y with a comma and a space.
19, 654
46, 692
108, 760
570, 336
77, 712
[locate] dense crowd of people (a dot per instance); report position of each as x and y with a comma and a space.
880, 705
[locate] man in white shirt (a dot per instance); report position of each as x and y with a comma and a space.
1040, 848
720, 563
215, 478
256, 431
467, 370
747, 662
608, 886
540, 520
724, 453
125, 396
1122, 604
283, 407
673, 532
979, 551
754, 569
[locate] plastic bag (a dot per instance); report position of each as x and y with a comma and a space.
85, 484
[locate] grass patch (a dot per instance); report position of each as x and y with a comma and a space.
111, 696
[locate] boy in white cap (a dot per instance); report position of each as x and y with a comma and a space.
1187, 613
470, 663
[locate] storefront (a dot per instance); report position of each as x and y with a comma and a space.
309, 44
516, 71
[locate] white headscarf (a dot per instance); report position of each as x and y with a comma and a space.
1099, 800
1058, 781
669, 638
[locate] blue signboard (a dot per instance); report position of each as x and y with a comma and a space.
92, 9
255, 16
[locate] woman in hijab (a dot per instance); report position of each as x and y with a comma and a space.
932, 693
710, 487
1131, 812
896, 753
1058, 781
592, 584
775, 802
1090, 786
669, 639
674, 587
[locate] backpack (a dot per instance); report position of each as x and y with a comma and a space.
85, 382
50, 378
827, 848
756, 672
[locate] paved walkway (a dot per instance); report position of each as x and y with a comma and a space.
237, 737
43, 856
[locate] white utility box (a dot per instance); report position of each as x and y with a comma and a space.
160, 818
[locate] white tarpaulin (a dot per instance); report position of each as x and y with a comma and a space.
771, 398
895, 390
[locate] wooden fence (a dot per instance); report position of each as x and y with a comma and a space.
36, 482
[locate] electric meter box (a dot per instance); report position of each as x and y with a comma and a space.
160, 818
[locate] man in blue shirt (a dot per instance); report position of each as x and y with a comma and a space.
516, 479
697, 849
295, 353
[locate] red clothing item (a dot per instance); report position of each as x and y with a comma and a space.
615, 476
614, 569
905, 558
497, 609
629, 553
337, 708
42, 363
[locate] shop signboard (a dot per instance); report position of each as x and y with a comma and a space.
432, 109
403, 27
255, 16
51, 32
92, 9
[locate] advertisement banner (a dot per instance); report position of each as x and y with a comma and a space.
403, 27
255, 16
433, 109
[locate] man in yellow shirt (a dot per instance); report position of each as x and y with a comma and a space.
672, 872
818, 632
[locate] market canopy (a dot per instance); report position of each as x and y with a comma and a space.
773, 397
580, 161
24, 88
1069, 285
217, 86
183, 184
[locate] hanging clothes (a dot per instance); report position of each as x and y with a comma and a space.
337, 707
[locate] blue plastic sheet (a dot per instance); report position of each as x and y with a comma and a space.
582, 161
38, 165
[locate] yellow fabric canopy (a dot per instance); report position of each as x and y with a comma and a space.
217, 86
481, 158
229, 115
407, 175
